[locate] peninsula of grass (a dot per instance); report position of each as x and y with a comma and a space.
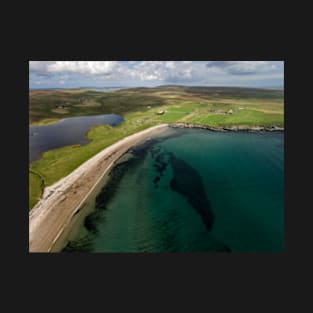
210, 106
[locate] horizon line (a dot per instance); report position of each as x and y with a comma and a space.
157, 86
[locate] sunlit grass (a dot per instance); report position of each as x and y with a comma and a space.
140, 112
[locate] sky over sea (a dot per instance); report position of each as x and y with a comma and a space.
75, 74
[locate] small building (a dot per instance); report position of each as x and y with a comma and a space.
230, 111
219, 111
160, 112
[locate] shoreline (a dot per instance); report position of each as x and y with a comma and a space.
60, 202
45, 122
227, 128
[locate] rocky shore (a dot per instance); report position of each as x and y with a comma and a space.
227, 128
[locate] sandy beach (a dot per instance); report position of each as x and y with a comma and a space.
61, 201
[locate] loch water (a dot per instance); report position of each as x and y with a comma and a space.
68, 131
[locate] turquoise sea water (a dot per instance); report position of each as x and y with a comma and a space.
192, 190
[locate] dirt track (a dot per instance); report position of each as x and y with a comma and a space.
60, 201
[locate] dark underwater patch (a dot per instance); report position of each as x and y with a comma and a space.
92, 220
159, 164
81, 245
187, 182
106, 194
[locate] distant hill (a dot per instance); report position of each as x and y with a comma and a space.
209, 91
45, 104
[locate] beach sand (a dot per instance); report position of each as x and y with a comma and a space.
62, 203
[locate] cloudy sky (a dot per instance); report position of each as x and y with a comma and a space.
70, 74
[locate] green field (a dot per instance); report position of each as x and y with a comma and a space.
36, 186
243, 117
139, 106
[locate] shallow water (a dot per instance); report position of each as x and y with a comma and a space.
68, 131
192, 190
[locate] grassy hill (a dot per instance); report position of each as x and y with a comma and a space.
57, 104
49, 105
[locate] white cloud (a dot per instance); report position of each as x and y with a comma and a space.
84, 67
81, 67
149, 70
243, 67
168, 70
40, 67
154, 72
170, 64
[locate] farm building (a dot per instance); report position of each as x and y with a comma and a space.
160, 112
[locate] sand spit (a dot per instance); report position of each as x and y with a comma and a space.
62, 200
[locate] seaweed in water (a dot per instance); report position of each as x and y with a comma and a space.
156, 180
92, 220
188, 183
83, 244
185, 181
160, 165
